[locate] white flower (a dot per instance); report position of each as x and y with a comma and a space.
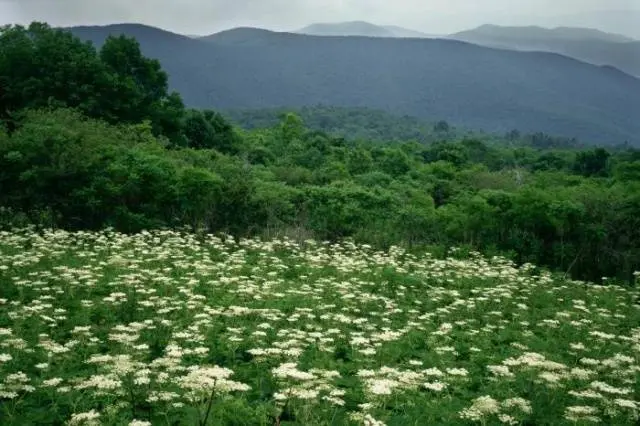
139, 423
88, 418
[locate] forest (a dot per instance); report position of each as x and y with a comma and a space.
93, 138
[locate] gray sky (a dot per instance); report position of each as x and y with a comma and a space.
431, 16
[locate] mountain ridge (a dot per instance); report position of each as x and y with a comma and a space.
601, 49
536, 31
360, 28
350, 28
426, 78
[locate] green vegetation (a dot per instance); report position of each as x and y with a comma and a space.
159, 265
372, 125
78, 158
166, 327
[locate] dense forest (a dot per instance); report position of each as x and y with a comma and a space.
374, 125
93, 138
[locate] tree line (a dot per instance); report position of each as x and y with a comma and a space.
93, 138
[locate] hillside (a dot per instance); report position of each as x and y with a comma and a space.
465, 84
587, 45
275, 332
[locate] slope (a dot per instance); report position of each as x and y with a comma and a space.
587, 45
465, 84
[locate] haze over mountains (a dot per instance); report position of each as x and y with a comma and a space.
589, 45
359, 28
621, 21
466, 84
586, 44
533, 32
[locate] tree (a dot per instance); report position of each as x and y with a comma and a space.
208, 130
42, 67
291, 128
198, 192
139, 86
394, 162
592, 163
441, 127
513, 135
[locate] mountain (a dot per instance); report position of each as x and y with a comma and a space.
536, 33
353, 28
623, 21
465, 84
247, 36
585, 44
406, 32
362, 29
143, 33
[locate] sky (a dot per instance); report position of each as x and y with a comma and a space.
430, 16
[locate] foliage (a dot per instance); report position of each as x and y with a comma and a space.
43, 67
181, 328
359, 123
111, 311
535, 198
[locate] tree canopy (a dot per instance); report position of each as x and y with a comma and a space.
94, 139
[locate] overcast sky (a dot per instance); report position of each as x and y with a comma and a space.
432, 16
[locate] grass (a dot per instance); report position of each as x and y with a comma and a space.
174, 328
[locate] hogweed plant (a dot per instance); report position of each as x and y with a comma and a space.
167, 328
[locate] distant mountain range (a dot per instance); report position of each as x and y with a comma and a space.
466, 84
360, 28
586, 44
536, 33
621, 21
593, 46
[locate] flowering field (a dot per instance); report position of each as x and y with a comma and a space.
172, 328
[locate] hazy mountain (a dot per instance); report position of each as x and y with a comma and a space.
143, 33
465, 84
406, 32
625, 22
247, 36
362, 29
585, 44
536, 33
354, 28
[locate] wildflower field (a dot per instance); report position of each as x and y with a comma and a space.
172, 328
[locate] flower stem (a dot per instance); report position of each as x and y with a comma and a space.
206, 416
